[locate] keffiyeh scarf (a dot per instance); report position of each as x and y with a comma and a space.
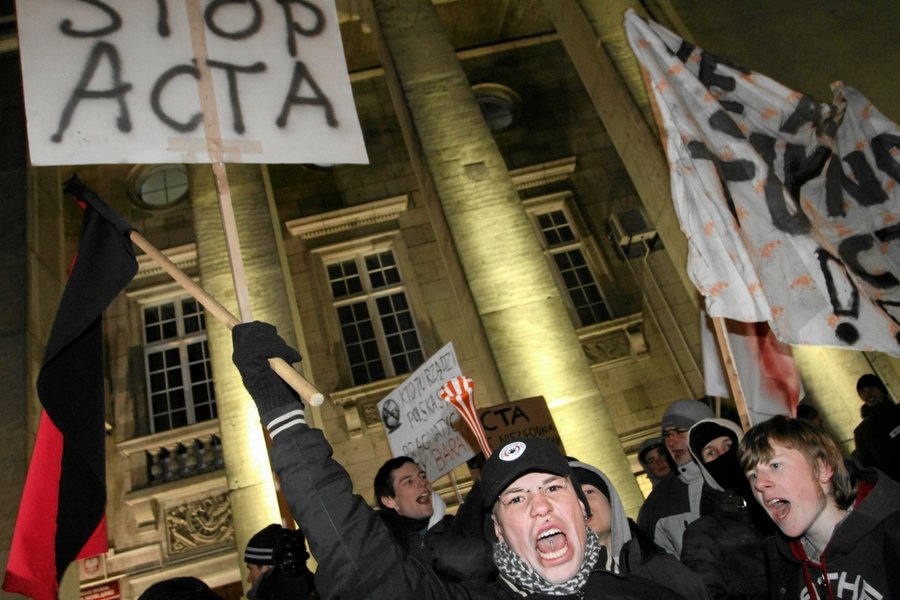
520, 576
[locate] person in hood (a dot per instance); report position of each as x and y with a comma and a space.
839, 533
544, 548
624, 547
675, 501
655, 459
726, 544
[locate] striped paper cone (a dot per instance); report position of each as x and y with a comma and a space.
458, 392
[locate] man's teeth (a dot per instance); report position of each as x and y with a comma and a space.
779, 507
552, 555
546, 544
549, 533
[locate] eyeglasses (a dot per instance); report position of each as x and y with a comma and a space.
673, 431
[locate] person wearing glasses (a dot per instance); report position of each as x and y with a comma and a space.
675, 501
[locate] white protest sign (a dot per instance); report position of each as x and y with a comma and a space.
121, 81
419, 423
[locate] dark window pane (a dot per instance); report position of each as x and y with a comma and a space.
176, 398
173, 357
170, 330
173, 378
179, 419
160, 403
167, 311
155, 361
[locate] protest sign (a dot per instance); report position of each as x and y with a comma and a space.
419, 423
119, 81
528, 417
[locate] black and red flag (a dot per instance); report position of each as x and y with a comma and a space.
61, 516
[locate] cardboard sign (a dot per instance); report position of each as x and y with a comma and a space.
420, 424
528, 417
186, 81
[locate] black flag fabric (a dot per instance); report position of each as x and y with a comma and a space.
61, 516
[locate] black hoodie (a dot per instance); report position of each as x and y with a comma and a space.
862, 559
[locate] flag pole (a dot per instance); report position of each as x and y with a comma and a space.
300, 384
734, 380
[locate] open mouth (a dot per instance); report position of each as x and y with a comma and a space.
424, 498
778, 508
552, 544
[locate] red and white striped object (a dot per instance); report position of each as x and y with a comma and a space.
458, 392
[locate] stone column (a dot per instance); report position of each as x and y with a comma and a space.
462, 174
252, 492
592, 32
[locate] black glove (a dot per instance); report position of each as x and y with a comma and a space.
254, 344
289, 553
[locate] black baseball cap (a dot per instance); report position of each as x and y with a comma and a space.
517, 458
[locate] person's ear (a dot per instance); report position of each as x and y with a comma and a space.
824, 471
498, 531
389, 502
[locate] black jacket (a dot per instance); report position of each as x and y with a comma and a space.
357, 554
725, 548
878, 440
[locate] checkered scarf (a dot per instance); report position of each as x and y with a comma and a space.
523, 578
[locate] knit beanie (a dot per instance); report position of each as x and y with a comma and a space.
588, 477
870, 380
684, 413
261, 546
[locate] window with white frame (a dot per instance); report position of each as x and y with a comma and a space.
374, 314
176, 357
570, 258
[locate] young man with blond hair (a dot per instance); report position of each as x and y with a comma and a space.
840, 534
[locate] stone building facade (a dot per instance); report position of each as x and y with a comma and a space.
514, 204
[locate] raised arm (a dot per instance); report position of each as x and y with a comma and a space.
356, 555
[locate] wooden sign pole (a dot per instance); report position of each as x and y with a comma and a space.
301, 385
734, 379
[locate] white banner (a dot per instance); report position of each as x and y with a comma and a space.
186, 81
769, 377
791, 208
419, 423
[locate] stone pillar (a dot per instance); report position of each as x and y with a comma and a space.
591, 31
461, 171
250, 482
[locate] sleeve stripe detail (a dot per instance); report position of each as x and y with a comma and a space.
285, 421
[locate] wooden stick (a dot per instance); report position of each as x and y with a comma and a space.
740, 401
300, 384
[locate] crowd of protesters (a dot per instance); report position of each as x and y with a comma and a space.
773, 512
